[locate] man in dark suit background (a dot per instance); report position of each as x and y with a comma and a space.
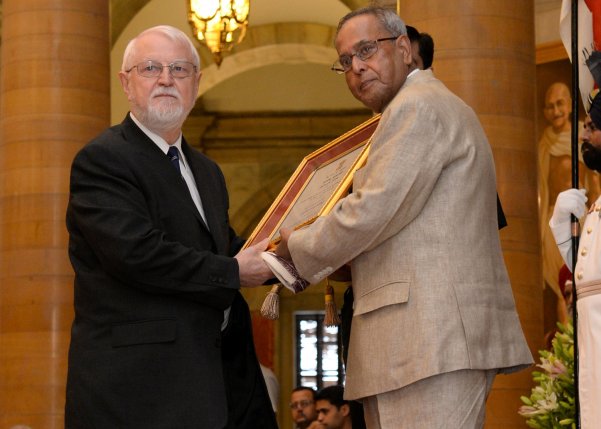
161, 336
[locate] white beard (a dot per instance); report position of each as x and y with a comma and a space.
163, 114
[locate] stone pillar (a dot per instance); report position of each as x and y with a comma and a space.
484, 52
54, 96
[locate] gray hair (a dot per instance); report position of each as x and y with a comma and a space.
388, 18
174, 34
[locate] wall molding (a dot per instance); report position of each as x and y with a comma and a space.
550, 51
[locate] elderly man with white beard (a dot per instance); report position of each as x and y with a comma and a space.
162, 335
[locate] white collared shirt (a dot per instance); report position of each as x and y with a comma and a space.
185, 170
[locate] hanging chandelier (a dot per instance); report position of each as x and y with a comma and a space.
219, 24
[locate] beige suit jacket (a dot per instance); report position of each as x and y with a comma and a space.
431, 290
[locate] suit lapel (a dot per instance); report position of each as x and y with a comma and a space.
147, 148
207, 188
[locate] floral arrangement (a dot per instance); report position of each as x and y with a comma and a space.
551, 404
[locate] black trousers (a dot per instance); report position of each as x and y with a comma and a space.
249, 406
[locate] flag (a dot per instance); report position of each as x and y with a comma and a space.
589, 36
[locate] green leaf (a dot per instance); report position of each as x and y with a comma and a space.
553, 388
526, 400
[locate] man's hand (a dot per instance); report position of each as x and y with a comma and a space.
282, 249
252, 269
572, 201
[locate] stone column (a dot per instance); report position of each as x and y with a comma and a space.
54, 96
484, 52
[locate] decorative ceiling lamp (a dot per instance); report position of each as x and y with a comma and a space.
219, 24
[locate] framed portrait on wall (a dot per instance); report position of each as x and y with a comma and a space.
554, 154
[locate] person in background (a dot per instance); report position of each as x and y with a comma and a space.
162, 335
555, 174
302, 407
587, 271
422, 48
434, 319
334, 412
564, 304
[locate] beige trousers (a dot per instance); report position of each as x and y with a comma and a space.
452, 400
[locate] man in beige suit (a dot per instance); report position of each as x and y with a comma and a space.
434, 318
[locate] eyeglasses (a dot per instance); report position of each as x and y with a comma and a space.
300, 404
177, 69
365, 50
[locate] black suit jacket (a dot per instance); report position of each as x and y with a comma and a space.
151, 285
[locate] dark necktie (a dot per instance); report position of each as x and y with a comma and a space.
173, 155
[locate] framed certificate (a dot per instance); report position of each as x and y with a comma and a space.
321, 179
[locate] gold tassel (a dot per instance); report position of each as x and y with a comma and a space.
271, 306
331, 318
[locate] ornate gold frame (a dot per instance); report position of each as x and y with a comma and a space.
344, 146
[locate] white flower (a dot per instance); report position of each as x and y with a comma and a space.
528, 411
549, 403
554, 367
